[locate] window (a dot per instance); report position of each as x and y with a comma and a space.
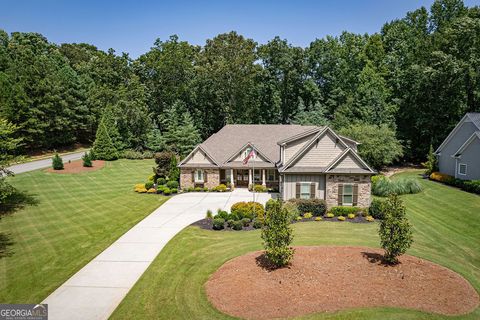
256, 176
305, 190
462, 169
199, 175
347, 195
272, 175
228, 175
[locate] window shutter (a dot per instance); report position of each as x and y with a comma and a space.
312, 190
355, 194
193, 175
205, 176
340, 194
297, 190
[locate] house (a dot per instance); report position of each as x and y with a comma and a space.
459, 153
298, 161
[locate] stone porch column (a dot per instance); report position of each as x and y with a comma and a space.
250, 173
263, 178
232, 179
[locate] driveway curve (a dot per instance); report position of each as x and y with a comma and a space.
98, 288
44, 163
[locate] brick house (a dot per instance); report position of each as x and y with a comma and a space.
298, 161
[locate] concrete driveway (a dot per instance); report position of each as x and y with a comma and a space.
45, 163
98, 288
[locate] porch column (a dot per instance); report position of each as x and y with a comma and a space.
249, 177
263, 178
232, 183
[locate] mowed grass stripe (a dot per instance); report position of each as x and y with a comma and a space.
78, 216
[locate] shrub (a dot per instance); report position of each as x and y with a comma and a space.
317, 207
308, 215
385, 187
292, 209
431, 164
248, 210
259, 188
161, 181
152, 178
318, 218
222, 214
190, 189
230, 223
147, 155
142, 190
174, 190
471, 186
104, 147
57, 162
395, 230
369, 219
162, 188
329, 215
139, 186
218, 224
87, 160
245, 222
269, 203
151, 190
341, 218
167, 191
209, 214
257, 224
163, 160
376, 208
351, 216
237, 225
233, 216
344, 211
198, 189
277, 236
220, 188
299, 218
149, 184
205, 189
172, 184
131, 154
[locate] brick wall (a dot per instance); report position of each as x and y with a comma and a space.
364, 188
213, 178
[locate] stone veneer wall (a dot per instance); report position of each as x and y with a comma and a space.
364, 188
213, 178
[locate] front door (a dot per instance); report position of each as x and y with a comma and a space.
241, 178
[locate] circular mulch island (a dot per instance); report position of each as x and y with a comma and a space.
324, 279
77, 167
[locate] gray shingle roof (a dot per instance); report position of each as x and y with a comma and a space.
264, 137
475, 117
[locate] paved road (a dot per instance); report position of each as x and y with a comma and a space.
45, 163
98, 288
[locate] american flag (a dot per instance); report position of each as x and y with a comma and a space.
250, 155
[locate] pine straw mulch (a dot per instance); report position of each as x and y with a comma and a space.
327, 279
77, 167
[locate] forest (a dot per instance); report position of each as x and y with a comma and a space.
398, 91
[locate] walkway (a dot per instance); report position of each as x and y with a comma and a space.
98, 288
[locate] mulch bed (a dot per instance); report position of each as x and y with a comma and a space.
207, 224
327, 279
77, 167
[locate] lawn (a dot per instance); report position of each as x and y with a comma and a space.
446, 229
77, 217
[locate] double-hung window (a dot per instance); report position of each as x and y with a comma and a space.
462, 169
347, 195
305, 190
199, 175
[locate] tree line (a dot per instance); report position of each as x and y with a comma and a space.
398, 91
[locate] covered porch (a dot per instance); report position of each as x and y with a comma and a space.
245, 177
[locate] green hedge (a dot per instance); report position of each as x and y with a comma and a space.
345, 211
317, 207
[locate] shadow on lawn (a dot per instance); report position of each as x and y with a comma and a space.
5, 244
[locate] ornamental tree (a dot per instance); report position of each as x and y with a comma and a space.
395, 230
277, 235
57, 162
103, 147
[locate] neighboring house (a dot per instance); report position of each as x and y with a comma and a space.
298, 161
459, 154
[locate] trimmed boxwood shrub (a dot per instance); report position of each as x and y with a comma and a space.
375, 210
233, 216
237, 225
218, 224
161, 181
230, 223
317, 207
249, 210
220, 188
259, 188
344, 211
222, 214
245, 222
172, 184
167, 191
149, 185
257, 224
174, 190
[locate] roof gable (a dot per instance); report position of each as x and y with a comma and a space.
348, 161
468, 117
475, 135
238, 155
198, 156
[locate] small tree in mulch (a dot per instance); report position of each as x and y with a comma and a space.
163, 161
103, 147
395, 230
57, 162
87, 160
277, 235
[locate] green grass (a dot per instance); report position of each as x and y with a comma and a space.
446, 224
77, 217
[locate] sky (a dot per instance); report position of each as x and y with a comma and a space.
132, 26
